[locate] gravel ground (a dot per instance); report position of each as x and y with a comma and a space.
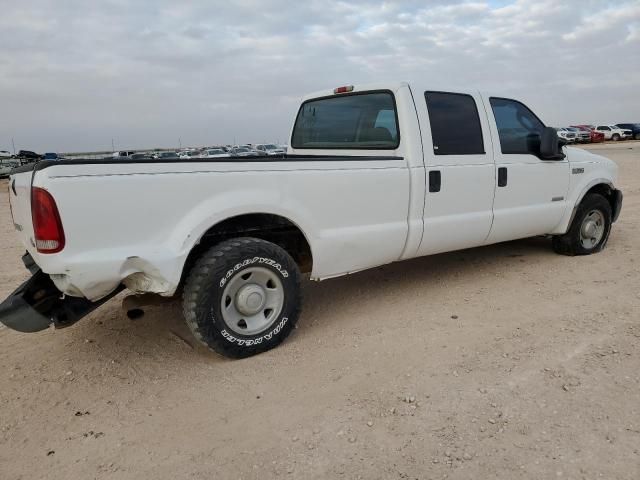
505, 362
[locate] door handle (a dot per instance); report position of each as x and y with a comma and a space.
435, 181
502, 176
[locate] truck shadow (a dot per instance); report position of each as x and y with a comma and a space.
329, 301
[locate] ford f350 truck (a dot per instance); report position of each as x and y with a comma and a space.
374, 174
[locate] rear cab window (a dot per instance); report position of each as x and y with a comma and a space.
362, 121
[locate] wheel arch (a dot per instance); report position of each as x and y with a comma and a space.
272, 227
600, 186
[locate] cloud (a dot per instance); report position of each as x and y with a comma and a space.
77, 74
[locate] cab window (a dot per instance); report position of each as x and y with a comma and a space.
366, 121
455, 124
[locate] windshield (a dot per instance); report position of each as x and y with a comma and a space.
241, 150
271, 147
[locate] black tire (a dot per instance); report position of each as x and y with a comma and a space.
615, 137
570, 243
218, 267
637, 136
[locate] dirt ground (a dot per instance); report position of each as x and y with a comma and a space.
506, 362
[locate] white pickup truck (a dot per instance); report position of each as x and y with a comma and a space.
374, 174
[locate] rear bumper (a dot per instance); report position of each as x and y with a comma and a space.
38, 304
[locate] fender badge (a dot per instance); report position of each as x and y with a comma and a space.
576, 171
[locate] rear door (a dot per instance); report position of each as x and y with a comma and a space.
604, 130
460, 173
530, 193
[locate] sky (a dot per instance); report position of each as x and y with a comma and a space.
152, 73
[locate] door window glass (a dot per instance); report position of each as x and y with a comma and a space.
455, 124
518, 128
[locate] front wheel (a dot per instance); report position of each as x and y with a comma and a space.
615, 137
589, 230
242, 297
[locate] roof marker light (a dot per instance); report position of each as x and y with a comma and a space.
347, 89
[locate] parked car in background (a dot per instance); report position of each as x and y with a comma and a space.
581, 136
270, 149
215, 153
5, 154
595, 136
51, 156
567, 135
122, 154
6, 165
611, 132
27, 156
167, 155
190, 153
242, 152
633, 127
139, 156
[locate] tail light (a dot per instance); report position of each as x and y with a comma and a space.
47, 226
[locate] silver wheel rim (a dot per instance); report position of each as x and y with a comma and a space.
592, 229
252, 300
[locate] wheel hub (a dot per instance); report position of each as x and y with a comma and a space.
589, 229
250, 299
592, 229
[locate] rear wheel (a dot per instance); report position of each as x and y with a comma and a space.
637, 136
589, 230
242, 297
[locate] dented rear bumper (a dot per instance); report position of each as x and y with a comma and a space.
37, 304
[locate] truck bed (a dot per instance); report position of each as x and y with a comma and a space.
136, 221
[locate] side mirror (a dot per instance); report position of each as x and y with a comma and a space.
550, 145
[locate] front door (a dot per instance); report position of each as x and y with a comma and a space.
530, 194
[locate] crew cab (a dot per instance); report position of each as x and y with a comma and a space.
374, 174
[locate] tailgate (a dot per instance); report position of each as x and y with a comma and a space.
20, 202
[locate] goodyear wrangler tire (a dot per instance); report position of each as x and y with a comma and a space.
242, 297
